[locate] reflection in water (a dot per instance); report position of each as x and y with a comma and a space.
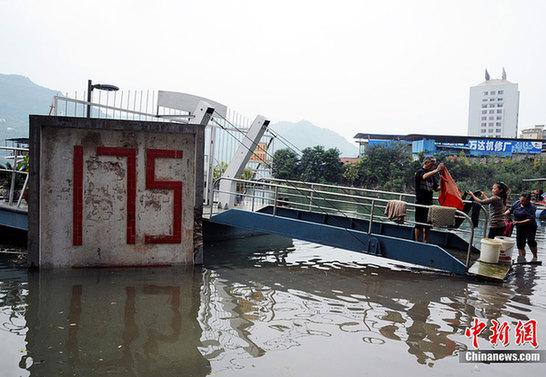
115, 322
282, 302
257, 302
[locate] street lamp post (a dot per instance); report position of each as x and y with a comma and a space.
90, 87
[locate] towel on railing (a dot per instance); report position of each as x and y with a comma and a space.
441, 216
396, 211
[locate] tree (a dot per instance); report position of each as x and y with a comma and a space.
321, 166
285, 164
387, 167
350, 175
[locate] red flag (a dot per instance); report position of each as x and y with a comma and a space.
450, 196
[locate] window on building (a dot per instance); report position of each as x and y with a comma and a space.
485, 93
492, 93
484, 118
492, 105
499, 117
498, 124
501, 91
499, 99
491, 99
491, 111
484, 100
490, 131
491, 118
484, 131
484, 105
484, 124
499, 104
499, 111
491, 124
498, 130
484, 111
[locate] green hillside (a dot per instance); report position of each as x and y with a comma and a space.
20, 97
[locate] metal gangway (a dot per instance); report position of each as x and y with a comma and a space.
345, 217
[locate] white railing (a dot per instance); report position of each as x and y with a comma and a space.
10, 183
223, 134
389, 195
254, 195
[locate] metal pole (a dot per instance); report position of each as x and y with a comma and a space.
311, 199
210, 174
89, 90
371, 217
253, 195
275, 202
13, 173
22, 191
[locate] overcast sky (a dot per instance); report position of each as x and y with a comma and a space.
400, 66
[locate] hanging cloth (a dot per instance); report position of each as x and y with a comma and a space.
450, 196
396, 211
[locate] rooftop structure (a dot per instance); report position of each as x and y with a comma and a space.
537, 132
473, 146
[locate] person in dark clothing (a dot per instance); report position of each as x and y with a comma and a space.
526, 226
425, 185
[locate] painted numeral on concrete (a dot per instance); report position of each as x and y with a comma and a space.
130, 153
176, 186
77, 198
151, 184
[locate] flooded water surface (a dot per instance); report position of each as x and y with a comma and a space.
264, 306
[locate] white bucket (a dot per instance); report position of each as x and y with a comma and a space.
490, 250
506, 248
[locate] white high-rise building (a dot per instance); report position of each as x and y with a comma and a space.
493, 108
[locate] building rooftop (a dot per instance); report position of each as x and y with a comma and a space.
438, 138
495, 82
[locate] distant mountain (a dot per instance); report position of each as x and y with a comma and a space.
20, 97
305, 134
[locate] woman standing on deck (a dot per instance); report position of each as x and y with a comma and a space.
524, 213
497, 208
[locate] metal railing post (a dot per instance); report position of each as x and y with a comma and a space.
470, 244
275, 201
253, 195
22, 191
311, 199
13, 173
371, 217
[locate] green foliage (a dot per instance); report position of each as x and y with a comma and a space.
350, 175
386, 167
285, 164
219, 170
392, 167
320, 165
24, 164
316, 165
